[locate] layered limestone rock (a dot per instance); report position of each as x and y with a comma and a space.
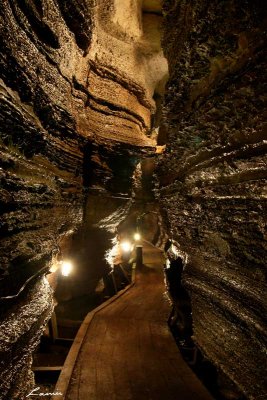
61, 88
126, 60
213, 177
20, 329
41, 175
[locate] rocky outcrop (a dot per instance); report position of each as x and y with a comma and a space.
213, 177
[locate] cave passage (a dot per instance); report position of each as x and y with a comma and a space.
130, 126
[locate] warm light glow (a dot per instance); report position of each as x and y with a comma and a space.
66, 268
126, 247
53, 268
137, 236
111, 255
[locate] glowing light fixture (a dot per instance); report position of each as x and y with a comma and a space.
66, 268
137, 236
126, 246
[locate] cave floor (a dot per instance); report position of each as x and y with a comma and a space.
128, 352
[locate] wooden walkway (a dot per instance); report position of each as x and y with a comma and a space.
128, 352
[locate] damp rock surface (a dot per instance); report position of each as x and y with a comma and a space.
213, 177
72, 73
20, 331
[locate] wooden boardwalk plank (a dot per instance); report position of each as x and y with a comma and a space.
128, 352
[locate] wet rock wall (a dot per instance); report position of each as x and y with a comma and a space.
213, 177
21, 329
42, 157
41, 175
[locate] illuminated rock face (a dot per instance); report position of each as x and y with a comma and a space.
72, 72
213, 176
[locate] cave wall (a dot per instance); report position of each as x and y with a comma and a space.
61, 64
41, 175
20, 333
213, 177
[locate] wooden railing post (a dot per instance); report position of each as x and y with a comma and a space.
139, 255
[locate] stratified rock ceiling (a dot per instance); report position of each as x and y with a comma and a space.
213, 176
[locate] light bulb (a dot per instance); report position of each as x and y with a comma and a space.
126, 246
66, 268
137, 236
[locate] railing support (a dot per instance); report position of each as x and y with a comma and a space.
139, 256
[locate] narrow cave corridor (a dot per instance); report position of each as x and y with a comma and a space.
133, 199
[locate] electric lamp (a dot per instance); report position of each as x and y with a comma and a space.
126, 246
66, 268
137, 236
